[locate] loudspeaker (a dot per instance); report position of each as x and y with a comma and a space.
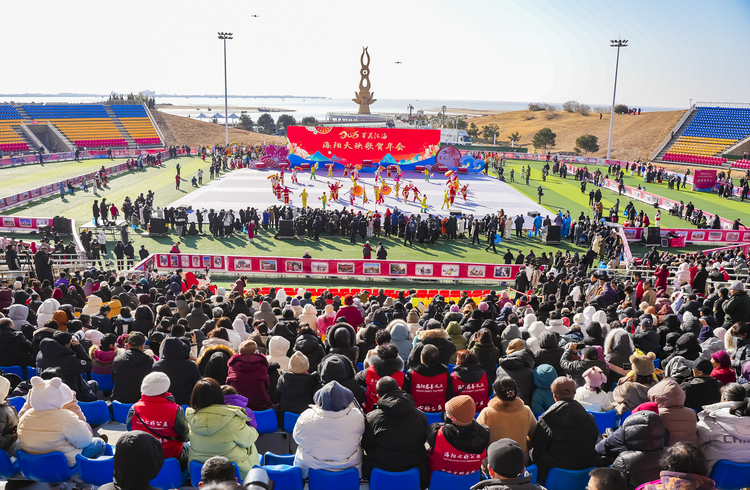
652, 236
286, 229
533, 214
457, 213
551, 234
61, 226
157, 227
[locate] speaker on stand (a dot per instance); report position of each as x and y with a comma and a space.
551, 234
651, 236
286, 230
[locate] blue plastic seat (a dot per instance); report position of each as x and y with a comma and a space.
104, 380
96, 471
120, 411
286, 477
31, 371
267, 421
441, 480
45, 468
96, 413
8, 467
17, 402
17, 370
277, 459
433, 417
195, 468
605, 420
360, 366
450, 367
729, 475
657, 363
347, 479
290, 420
533, 470
559, 479
389, 480
170, 476
624, 416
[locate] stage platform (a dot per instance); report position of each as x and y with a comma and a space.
251, 188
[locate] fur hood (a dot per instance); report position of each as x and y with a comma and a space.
208, 350
435, 333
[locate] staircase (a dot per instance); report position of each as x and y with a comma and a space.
23, 113
125, 135
673, 139
29, 138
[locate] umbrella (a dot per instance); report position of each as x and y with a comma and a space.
201, 116
234, 116
218, 116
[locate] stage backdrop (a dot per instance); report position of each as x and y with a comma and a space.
353, 145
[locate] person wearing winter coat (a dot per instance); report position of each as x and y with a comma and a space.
182, 372
15, 348
64, 352
400, 338
701, 389
342, 339
143, 319
722, 368
308, 343
487, 353
49, 427
216, 352
542, 399
395, 432
217, 429
129, 368
335, 367
296, 386
265, 313
104, 354
197, 317
737, 308
632, 390
683, 468
412, 321
157, 414
549, 352
431, 383
277, 349
459, 445
287, 327
248, 374
643, 447
456, 336
23, 319
328, 433
46, 311
433, 334
326, 320
507, 416
386, 362
723, 430
565, 434
138, 460
618, 347
645, 337
350, 313
678, 419
518, 363
310, 316
589, 357
591, 396
470, 379
8, 420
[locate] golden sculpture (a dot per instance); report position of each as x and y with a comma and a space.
364, 97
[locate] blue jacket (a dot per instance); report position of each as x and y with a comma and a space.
544, 375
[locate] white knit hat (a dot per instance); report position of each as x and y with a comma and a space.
49, 395
155, 384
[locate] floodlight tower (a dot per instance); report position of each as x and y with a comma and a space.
617, 43
224, 36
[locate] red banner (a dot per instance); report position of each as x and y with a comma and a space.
15, 223
696, 235
352, 145
405, 269
704, 179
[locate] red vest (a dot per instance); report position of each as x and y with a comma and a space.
159, 414
478, 391
429, 391
372, 379
447, 458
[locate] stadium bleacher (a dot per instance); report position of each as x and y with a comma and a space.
136, 122
10, 141
711, 131
743, 164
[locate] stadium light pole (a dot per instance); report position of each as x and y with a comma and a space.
618, 43
224, 36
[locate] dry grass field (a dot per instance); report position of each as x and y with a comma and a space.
179, 130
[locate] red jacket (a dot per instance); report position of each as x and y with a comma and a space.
248, 374
163, 419
352, 315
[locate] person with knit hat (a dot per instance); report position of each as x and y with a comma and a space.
296, 387
702, 389
50, 427
325, 320
565, 434
431, 383
632, 390
350, 313
591, 395
328, 433
458, 445
723, 370
138, 460
507, 468
158, 414
412, 321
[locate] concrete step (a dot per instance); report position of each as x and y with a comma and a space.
126, 136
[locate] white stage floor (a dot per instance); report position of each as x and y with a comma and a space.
248, 187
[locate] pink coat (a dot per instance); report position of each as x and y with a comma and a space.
251, 230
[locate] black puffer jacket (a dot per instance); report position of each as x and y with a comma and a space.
564, 438
311, 346
550, 352
394, 436
337, 367
643, 438
144, 321
73, 362
128, 370
182, 372
282, 330
294, 392
384, 367
576, 368
342, 339
519, 365
618, 347
15, 348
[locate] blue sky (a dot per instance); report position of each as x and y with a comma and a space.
505, 50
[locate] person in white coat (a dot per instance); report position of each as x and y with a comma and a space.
590, 395
328, 433
309, 316
724, 431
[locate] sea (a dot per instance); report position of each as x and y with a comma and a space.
299, 107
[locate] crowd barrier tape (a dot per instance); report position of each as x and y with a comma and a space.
344, 268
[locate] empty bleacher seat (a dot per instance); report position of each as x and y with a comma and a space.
170, 476
347, 479
388, 480
96, 471
285, 477
45, 468
559, 479
120, 411
441, 480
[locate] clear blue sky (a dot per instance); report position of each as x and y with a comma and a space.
503, 50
